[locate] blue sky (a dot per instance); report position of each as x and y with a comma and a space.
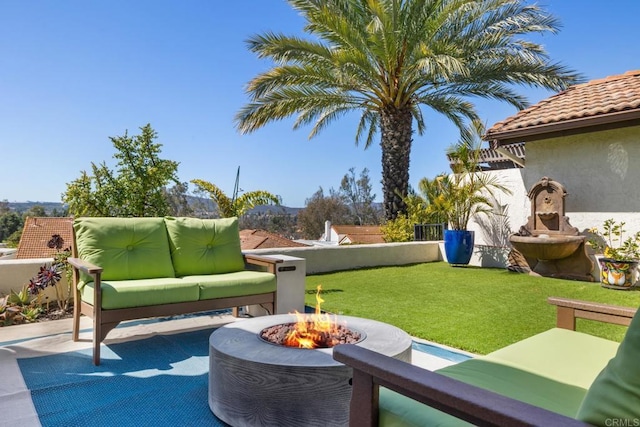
75, 72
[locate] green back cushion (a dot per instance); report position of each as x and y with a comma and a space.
126, 248
204, 246
615, 393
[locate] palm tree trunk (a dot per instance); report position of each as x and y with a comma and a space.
396, 128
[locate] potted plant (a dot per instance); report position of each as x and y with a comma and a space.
461, 195
619, 265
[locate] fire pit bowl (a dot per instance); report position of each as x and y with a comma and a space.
253, 382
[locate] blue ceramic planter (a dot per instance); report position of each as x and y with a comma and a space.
458, 246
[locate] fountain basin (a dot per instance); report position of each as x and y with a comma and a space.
546, 247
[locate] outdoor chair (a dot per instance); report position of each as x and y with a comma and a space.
556, 378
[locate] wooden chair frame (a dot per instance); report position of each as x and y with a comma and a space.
470, 403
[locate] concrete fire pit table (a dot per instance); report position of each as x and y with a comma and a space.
256, 383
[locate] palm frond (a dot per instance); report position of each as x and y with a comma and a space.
224, 203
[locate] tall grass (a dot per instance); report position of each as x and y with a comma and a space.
474, 309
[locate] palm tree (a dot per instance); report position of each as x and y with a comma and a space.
389, 58
236, 205
468, 191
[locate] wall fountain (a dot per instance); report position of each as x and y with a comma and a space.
548, 243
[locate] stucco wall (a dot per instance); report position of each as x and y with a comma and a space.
322, 259
512, 212
599, 171
15, 274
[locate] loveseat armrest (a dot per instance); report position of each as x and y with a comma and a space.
262, 261
85, 266
569, 310
464, 401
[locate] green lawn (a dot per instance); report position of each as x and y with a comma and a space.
474, 309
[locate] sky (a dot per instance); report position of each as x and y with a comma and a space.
74, 73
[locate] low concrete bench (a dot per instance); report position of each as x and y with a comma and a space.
131, 268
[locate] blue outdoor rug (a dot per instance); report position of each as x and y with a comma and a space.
158, 381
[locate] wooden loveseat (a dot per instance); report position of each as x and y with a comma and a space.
556, 378
131, 268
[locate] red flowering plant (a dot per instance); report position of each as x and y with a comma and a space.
27, 305
51, 274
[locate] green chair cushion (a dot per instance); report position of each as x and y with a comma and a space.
614, 396
535, 370
546, 353
234, 284
204, 246
398, 410
126, 248
142, 292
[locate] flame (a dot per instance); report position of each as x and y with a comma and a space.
317, 330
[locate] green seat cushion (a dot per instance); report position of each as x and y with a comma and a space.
546, 353
235, 284
142, 292
126, 248
398, 410
204, 246
535, 370
614, 396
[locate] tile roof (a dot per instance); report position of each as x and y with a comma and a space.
38, 231
261, 239
359, 233
612, 101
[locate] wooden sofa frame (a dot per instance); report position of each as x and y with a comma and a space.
470, 403
105, 320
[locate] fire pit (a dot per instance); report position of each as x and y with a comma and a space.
255, 382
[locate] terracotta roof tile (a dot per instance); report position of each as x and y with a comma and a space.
359, 233
613, 97
261, 239
38, 231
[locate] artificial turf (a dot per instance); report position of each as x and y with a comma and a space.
470, 308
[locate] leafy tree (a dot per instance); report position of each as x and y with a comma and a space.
136, 188
387, 59
400, 229
59, 213
236, 205
357, 192
35, 211
10, 223
276, 221
320, 208
4, 207
177, 199
14, 239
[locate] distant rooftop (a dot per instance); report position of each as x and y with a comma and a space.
358, 234
38, 231
261, 239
